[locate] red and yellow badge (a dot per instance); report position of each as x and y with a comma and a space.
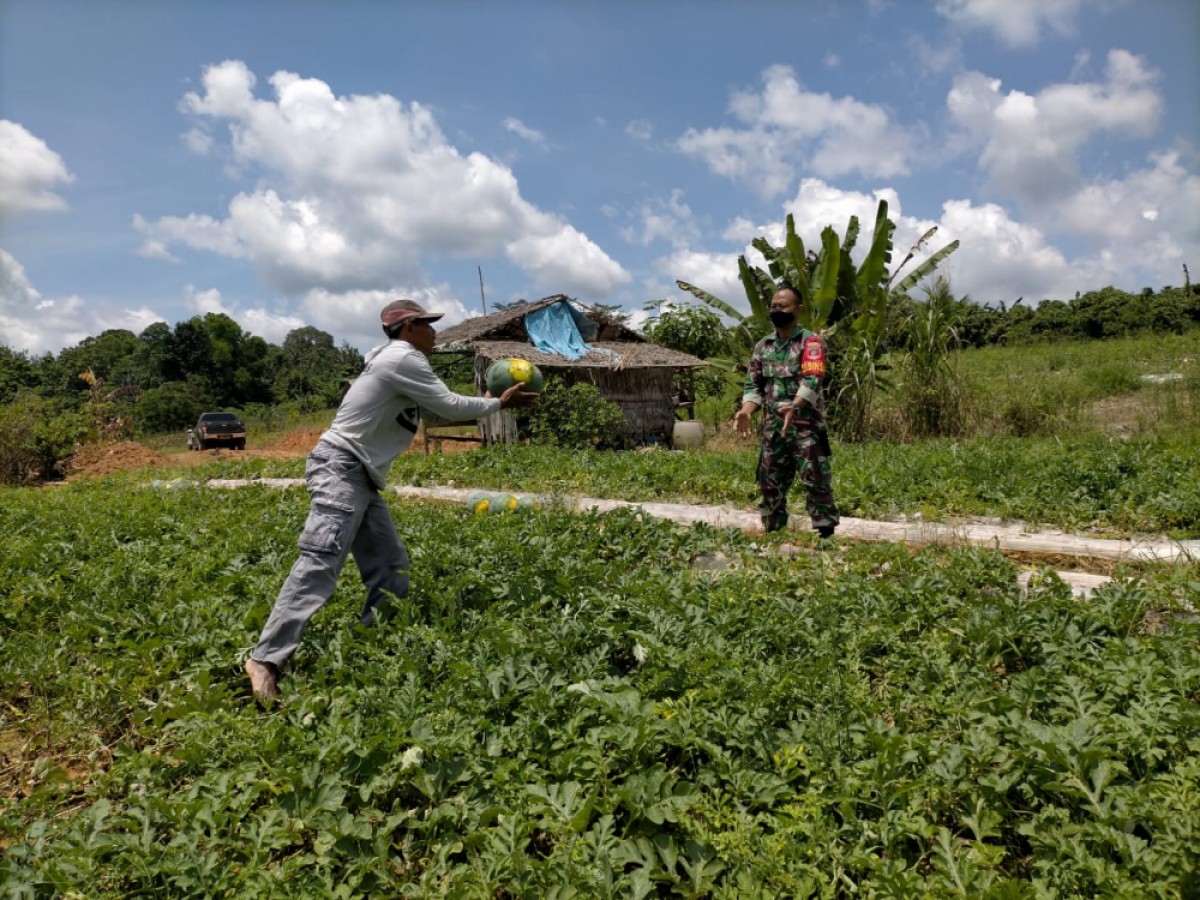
812, 357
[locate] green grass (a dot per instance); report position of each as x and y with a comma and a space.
564, 707
1086, 483
1087, 370
1063, 388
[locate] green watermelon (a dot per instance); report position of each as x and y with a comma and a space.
504, 373
485, 502
480, 502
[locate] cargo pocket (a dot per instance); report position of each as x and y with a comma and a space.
328, 522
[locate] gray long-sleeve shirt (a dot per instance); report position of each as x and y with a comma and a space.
379, 415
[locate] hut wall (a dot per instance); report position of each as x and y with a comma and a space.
646, 397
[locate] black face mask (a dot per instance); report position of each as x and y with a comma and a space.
779, 318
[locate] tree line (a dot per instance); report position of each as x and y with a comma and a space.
1106, 313
163, 378
119, 385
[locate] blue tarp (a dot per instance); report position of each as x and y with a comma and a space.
557, 329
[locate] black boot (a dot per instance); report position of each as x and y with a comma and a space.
774, 523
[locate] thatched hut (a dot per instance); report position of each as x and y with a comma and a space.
628, 370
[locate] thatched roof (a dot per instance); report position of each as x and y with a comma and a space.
615, 355
502, 334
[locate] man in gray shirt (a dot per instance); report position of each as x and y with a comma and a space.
375, 423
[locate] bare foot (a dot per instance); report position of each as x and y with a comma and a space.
263, 677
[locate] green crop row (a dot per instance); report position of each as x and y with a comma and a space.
572, 706
1089, 483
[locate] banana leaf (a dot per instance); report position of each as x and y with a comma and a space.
705, 297
795, 267
851, 237
749, 282
773, 257
912, 251
873, 273
760, 288
924, 268
823, 282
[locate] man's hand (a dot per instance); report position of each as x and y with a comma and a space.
790, 411
787, 417
741, 419
514, 396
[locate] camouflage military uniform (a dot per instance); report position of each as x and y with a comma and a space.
780, 371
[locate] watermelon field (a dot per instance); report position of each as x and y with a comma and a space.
585, 705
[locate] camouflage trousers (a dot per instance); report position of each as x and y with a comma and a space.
801, 451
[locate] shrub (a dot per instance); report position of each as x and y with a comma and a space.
1114, 377
33, 440
1035, 412
574, 416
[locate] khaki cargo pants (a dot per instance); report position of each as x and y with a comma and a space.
347, 516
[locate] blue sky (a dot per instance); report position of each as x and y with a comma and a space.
305, 163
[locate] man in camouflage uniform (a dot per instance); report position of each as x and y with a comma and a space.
785, 378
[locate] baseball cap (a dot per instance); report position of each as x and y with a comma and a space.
399, 311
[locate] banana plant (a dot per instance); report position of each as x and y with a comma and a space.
848, 303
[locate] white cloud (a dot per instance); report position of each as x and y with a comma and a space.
1031, 143
354, 316
521, 130
1031, 146
832, 60
818, 204
740, 229
354, 193
198, 141
998, 260
21, 328
760, 160
136, 320
714, 272
29, 172
566, 261
784, 127
1082, 64
640, 130
935, 59
668, 219
154, 249
1149, 219
1017, 23
37, 324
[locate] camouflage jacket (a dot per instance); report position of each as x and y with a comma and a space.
784, 370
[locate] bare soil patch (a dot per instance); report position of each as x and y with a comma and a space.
297, 443
96, 460
122, 456
1118, 415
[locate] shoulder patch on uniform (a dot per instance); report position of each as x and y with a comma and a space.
812, 357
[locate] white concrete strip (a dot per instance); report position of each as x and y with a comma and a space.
246, 482
1013, 538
